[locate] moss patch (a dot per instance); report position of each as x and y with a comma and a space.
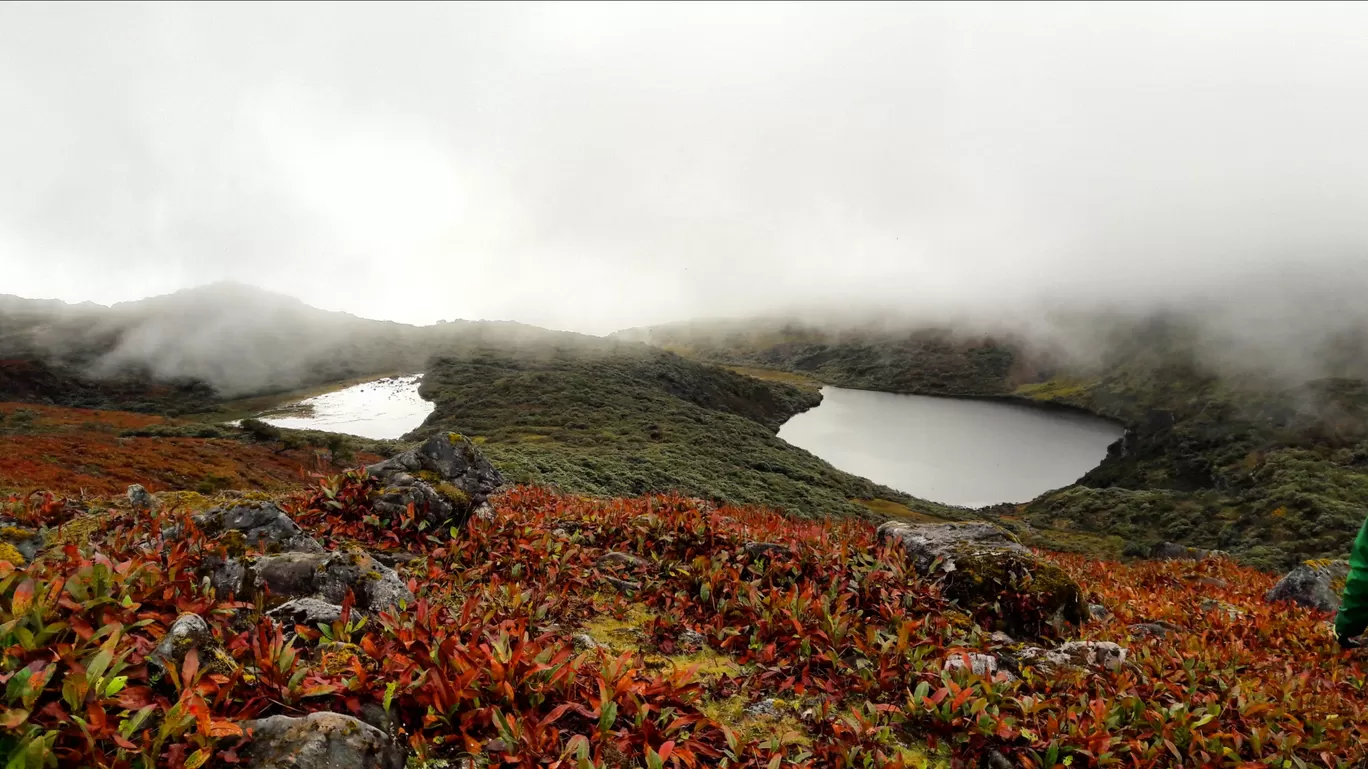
731, 713
9, 553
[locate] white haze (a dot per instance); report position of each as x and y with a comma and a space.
592, 167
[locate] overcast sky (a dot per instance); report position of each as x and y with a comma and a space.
592, 167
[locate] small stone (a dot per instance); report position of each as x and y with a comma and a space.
766, 708
584, 642
623, 559
765, 549
1098, 611
306, 611
691, 640
999, 637
139, 498
623, 585
1158, 629
190, 631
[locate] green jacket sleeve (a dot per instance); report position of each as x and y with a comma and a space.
1353, 612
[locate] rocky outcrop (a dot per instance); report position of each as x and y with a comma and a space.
1073, 656
318, 741
263, 526
1313, 584
983, 568
325, 576
446, 479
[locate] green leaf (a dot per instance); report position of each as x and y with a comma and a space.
115, 685
389, 694
608, 716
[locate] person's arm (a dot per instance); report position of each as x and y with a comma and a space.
1353, 612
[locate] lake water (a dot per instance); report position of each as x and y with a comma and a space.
959, 452
384, 408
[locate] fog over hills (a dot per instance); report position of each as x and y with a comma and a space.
588, 168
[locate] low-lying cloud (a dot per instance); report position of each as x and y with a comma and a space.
593, 167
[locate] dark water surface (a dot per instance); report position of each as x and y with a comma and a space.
959, 452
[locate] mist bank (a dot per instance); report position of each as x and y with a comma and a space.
233, 340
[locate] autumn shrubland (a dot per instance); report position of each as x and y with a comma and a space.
96, 452
822, 648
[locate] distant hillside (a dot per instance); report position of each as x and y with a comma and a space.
221, 340
620, 418
1216, 456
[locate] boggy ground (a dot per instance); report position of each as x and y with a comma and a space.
526, 646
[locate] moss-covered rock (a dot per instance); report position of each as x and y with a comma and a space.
22, 542
1314, 584
1002, 584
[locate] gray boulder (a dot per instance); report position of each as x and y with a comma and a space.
326, 576
446, 479
189, 631
992, 576
1313, 584
262, 524
318, 741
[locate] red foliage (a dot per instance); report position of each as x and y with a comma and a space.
74, 451
481, 661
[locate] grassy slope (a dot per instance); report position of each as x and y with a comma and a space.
1272, 473
613, 419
